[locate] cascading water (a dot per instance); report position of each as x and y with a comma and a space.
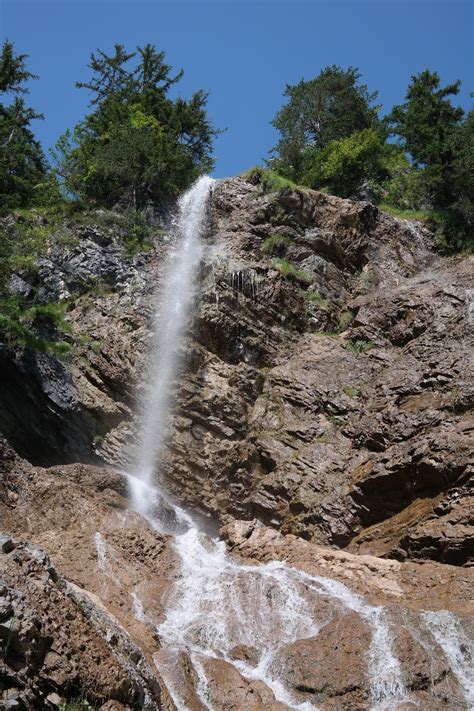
173, 306
218, 604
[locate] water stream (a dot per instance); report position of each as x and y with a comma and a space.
217, 604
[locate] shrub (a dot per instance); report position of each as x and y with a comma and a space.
406, 189
20, 323
345, 317
276, 244
292, 274
269, 180
359, 346
346, 163
316, 298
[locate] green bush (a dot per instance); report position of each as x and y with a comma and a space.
316, 298
359, 346
406, 189
276, 244
345, 317
269, 180
20, 321
346, 163
292, 274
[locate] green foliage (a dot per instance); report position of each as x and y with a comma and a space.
345, 317
406, 189
23, 320
346, 163
316, 298
425, 125
290, 272
358, 346
79, 704
331, 106
420, 215
138, 145
22, 164
269, 180
276, 244
440, 140
350, 391
20, 246
19, 321
138, 233
332, 140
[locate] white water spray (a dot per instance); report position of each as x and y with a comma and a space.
457, 648
173, 307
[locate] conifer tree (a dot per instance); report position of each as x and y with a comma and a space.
331, 106
137, 146
21, 159
426, 125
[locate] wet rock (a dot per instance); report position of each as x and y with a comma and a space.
344, 640
331, 400
6, 544
231, 690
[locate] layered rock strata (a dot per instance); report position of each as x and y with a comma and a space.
323, 417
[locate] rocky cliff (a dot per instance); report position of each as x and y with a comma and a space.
326, 393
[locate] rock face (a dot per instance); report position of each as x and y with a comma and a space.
96, 601
334, 403
323, 417
328, 380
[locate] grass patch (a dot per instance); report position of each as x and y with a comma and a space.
269, 181
77, 705
358, 346
351, 391
276, 244
316, 298
327, 334
97, 346
345, 318
420, 215
288, 271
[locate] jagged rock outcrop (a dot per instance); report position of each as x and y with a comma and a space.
93, 603
323, 417
333, 403
327, 385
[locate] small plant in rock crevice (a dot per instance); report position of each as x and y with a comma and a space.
359, 346
290, 272
276, 244
345, 318
350, 391
316, 298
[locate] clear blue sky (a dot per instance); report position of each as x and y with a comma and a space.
242, 51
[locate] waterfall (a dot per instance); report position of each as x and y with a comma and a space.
457, 648
171, 315
217, 604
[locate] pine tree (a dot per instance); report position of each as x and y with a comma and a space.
137, 146
329, 107
426, 125
22, 163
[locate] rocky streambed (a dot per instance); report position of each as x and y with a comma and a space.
323, 419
